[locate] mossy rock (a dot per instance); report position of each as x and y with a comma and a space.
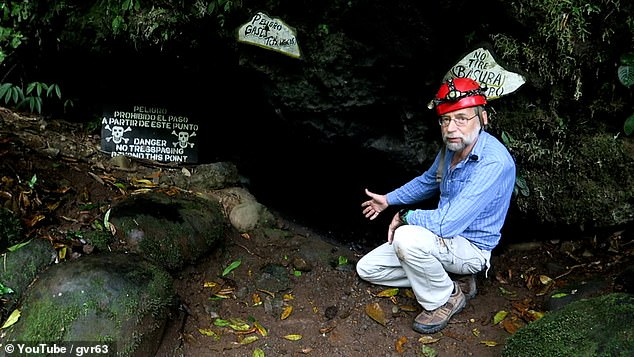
113, 298
20, 267
171, 231
601, 326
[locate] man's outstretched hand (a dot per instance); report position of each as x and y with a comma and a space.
375, 205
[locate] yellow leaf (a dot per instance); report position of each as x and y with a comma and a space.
410, 294
293, 337
257, 300
209, 284
476, 332
399, 344
489, 343
261, 329
238, 324
258, 353
209, 332
427, 339
287, 297
143, 183
388, 292
287, 311
534, 315
545, 279
13, 318
62, 253
499, 316
249, 339
376, 313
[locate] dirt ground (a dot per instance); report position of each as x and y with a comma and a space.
320, 307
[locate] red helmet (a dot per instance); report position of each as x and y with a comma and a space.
458, 93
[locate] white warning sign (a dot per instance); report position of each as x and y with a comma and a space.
480, 66
271, 34
150, 133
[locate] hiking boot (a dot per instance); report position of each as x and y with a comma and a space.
467, 284
435, 320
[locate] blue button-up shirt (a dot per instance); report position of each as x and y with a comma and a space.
474, 195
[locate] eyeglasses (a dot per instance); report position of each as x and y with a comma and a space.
460, 121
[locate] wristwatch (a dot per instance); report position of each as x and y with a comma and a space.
402, 214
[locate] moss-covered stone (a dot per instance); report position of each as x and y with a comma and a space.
601, 326
169, 230
111, 297
20, 267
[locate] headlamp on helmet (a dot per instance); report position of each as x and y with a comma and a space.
458, 93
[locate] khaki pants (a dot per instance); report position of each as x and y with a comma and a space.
419, 259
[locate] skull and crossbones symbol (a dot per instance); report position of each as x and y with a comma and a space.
117, 134
183, 139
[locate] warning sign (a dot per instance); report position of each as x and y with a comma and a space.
480, 65
150, 133
270, 33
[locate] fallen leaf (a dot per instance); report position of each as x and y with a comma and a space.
231, 267
533, 315
558, 295
388, 292
408, 308
512, 325
327, 329
545, 279
507, 293
410, 294
428, 351
257, 300
399, 344
210, 333
238, 324
293, 337
489, 343
376, 313
249, 339
499, 316
427, 339
258, 353
287, 311
261, 329
13, 318
475, 332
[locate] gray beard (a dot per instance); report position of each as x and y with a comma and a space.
466, 141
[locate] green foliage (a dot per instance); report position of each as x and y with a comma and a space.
33, 96
599, 326
574, 179
12, 13
625, 73
570, 35
521, 187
